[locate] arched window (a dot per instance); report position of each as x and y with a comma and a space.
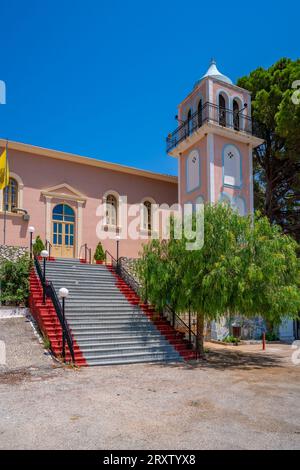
192, 171
232, 166
236, 116
111, 210
147, 215
10, 195
199, 113
222, 110
189, 122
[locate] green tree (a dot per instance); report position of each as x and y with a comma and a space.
38, 246
99, 253
241, 269
277, 161
14, 276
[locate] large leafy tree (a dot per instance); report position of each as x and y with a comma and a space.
277, 161
244, 268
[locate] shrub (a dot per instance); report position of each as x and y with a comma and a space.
38, 246
99, 253
271, 336
15, 281
231, 339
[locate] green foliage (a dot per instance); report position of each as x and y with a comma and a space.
38, 246
99, 253
277, 162
241, 269
15, 281
231, 339
271, 336
46, 342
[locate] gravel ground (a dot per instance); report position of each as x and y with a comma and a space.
240, 398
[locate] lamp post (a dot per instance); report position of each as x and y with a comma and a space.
44, 255
63, 294
118, 238
31, 231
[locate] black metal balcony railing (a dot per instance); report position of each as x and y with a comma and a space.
210, 113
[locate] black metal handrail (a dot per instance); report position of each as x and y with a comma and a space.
210, 112
128, 278
180, 325
168, 313
113, 260
124, 273
48, 246
87, 253
51, 293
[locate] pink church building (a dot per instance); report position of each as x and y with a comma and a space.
213, 144
59, 193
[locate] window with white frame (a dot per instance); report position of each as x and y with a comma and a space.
10, 195
232, 173
193, 171
147, 215
111, 210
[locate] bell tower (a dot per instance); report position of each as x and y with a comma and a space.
213, 143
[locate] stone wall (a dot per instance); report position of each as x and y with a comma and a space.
11, 253
130, 265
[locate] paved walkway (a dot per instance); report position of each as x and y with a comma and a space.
240, 398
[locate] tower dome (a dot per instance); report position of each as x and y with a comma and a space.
214, 73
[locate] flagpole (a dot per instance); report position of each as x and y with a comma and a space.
4, 199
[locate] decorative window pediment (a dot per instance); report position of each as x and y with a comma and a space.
64, 191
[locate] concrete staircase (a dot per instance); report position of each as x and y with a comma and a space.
109, 324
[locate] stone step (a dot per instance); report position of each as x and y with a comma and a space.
100, 308
105, 320
132, 358
111, 322
117, 337
111, 329
119, 343
124, 350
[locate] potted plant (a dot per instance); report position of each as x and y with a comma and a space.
38, 246
99, 255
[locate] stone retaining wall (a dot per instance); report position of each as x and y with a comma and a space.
11, 253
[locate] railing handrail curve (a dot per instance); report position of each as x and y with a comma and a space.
51, 292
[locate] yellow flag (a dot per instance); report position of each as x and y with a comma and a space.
4, 170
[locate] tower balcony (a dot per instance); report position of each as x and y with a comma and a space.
211, 118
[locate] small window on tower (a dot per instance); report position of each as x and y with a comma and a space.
232, 172
193, 171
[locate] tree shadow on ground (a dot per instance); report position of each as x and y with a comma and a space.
223, 359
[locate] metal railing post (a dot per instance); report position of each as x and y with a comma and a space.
30, 245
63, 330
190, 326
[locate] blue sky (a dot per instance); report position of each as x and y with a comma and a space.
103, 78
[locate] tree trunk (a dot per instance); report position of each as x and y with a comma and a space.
200, 335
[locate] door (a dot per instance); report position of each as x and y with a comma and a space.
297, 328
63, 231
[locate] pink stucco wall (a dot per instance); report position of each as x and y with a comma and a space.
40, 172
203, 188
244, 191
